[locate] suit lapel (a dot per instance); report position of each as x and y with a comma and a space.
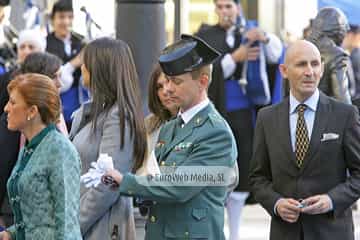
284, 136
322, 116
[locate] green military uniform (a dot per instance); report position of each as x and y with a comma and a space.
188, 212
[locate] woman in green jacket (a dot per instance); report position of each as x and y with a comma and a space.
44, 186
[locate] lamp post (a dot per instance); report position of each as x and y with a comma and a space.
141, 24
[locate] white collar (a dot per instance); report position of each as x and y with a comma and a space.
311, 102
190, 113
67, 39
230, 30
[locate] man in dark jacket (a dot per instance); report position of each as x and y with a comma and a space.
299, 173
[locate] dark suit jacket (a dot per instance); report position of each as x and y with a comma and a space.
274, 174
9, 140
4, 95
9, 149
356, 102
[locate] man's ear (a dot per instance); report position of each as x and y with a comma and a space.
204, 80
283, 70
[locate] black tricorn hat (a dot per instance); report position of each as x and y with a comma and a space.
186, 55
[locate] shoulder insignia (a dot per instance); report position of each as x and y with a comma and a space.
160, 144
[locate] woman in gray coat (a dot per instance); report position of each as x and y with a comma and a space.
111, 123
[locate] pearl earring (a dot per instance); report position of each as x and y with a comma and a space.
28, 118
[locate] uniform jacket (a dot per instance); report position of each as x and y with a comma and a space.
274, 173
104, 212
188, 212
48, 191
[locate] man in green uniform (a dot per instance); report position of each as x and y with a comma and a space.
198, 138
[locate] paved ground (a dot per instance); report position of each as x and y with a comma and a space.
256, 223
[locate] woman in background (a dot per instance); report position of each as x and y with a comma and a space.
111, 123
10, 141
29, 41
161, 106
44, 185
162, 109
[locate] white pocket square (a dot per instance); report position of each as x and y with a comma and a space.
329, 136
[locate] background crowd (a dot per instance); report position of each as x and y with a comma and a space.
215, 99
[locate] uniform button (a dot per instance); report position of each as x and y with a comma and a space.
186, 233
152, 219
162, 163
15, 199
174, 164
19, 225
130, 192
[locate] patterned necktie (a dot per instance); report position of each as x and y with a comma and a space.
302, 139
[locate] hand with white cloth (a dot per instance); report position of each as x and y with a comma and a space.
93, 177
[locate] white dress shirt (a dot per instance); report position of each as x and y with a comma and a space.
190, 113
309, 114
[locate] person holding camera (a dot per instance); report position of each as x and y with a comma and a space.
237, 45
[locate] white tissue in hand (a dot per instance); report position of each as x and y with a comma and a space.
105, 162
97, 170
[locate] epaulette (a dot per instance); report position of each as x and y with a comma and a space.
215, 119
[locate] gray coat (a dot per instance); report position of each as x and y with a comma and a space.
102, 210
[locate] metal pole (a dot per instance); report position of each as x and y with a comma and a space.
177, 19
141, 23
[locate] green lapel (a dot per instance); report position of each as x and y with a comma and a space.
187, 130
164, 139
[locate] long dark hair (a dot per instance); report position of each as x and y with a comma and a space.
113, 80
160, 113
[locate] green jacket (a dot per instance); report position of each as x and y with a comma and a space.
44, 189
188, 212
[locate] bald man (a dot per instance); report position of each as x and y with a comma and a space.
298, 173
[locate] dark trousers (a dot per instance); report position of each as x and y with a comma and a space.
242, 125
